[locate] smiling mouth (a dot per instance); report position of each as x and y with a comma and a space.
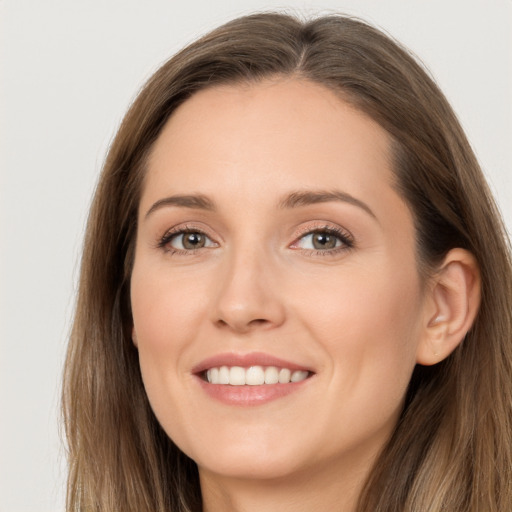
253, 375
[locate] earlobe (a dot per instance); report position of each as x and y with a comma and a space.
453, 302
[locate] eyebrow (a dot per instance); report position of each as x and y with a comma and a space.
308, 197
195, 201
292, 200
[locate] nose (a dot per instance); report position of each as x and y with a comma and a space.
249, 295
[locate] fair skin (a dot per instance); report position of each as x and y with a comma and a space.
268, 224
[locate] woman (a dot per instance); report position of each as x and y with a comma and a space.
295, 289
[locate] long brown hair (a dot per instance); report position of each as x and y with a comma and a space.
452, 447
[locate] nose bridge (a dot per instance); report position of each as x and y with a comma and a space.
247, 293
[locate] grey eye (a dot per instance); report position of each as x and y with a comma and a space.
324, 241
190, 240
319, 240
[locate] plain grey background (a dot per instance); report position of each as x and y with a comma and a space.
69, 70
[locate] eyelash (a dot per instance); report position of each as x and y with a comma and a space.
346, 239
164, 242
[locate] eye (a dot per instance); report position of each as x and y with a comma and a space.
186, 240
319, 240
325, 239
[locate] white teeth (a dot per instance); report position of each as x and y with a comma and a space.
212, 375
254, 375
237, 376
284, 375
298, 376
271, 375
223, 375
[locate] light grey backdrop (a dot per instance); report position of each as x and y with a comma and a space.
69, 69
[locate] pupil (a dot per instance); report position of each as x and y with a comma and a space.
193, 240
324, 241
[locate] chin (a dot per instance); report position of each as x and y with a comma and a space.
259, 459
251, 466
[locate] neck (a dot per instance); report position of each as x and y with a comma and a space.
324, 488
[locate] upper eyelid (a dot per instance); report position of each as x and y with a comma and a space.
323, 226
187, 228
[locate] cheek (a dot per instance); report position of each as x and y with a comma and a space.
166, 316
369, 326
358, 298
164, 310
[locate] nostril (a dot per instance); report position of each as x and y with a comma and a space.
258, 321
243, 326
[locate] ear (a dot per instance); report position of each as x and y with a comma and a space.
452, 304
134, 338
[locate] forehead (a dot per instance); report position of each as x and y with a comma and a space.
270, 134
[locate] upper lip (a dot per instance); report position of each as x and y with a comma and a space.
245, 361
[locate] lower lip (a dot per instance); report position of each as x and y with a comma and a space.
249, 395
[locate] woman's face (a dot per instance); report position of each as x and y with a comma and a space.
271, 247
